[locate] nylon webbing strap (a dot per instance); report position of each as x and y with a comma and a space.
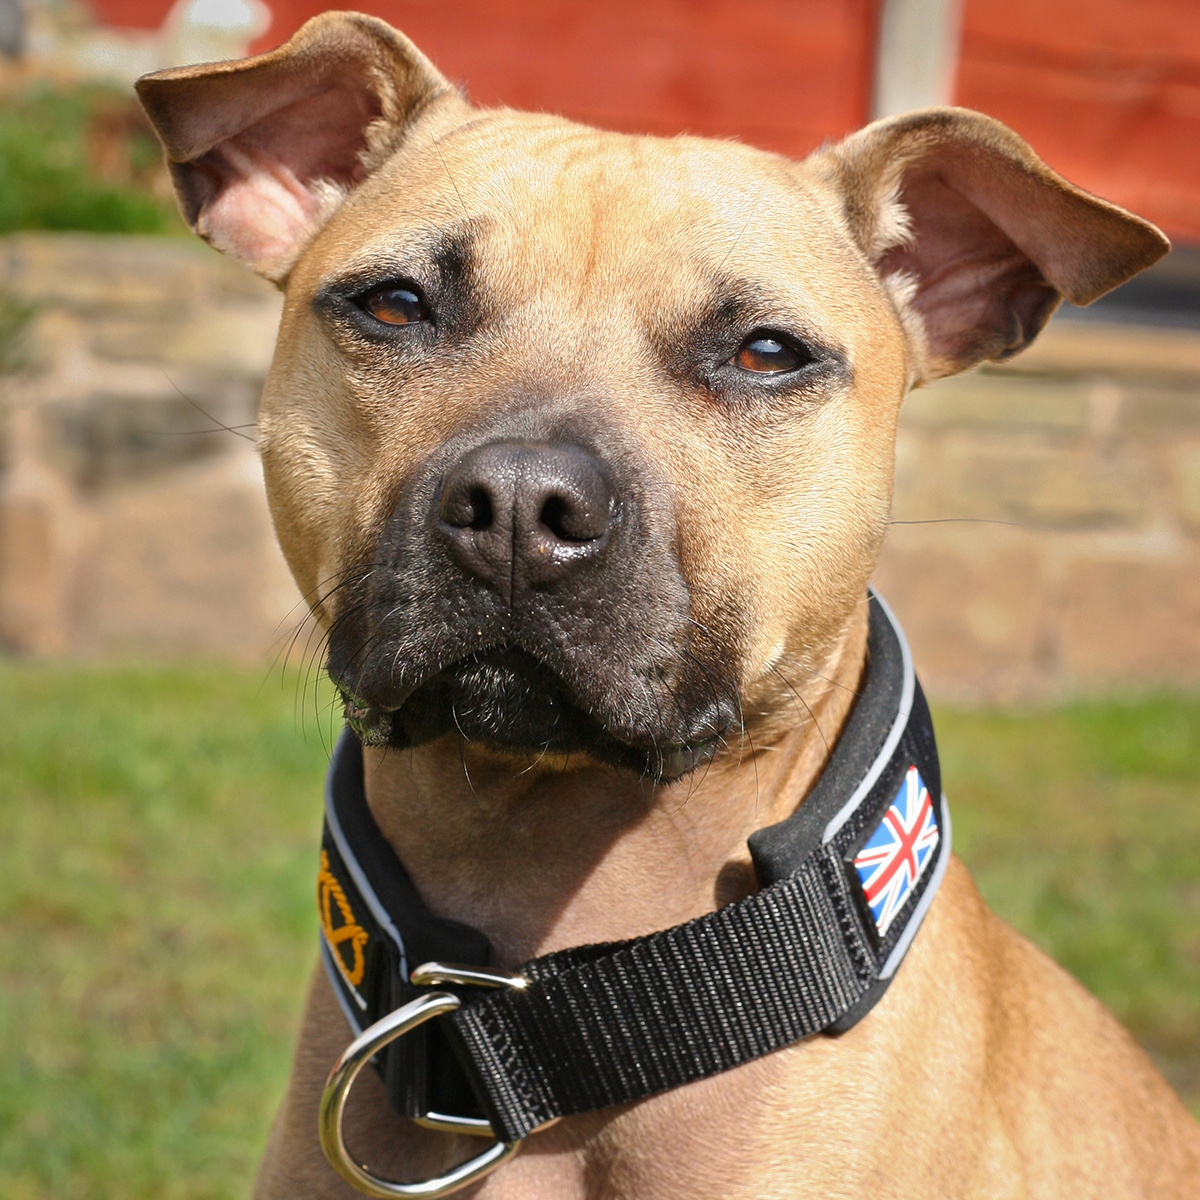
844, 882
671, 1008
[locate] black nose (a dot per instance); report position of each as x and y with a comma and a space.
525, 515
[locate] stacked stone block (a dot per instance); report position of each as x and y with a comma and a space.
1046, 538
131, 522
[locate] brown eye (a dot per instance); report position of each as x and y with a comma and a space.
768, 354
395, 305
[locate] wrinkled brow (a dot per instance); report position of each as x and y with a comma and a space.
440, 259
694, 337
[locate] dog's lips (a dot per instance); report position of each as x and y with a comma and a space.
366, 719
510, 700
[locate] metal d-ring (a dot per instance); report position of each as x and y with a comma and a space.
373, 1039
432, 974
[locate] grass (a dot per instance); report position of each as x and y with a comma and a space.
158, 835
80, 158
1082, 828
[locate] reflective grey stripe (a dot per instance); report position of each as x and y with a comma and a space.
914, 922
908, 688
356, 872
335, 982
331, 957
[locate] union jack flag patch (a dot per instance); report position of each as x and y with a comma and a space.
894, 859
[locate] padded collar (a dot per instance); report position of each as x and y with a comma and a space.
844, 884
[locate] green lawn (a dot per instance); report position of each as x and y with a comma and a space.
158, 835
157, 846
80, 158
1082, 828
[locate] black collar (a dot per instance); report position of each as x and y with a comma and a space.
844, 884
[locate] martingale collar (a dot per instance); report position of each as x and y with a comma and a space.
844, 885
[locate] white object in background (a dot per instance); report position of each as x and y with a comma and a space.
212, 30
916, 61
193, 31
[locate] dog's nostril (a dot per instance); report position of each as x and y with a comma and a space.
467, 506
482, 514
568, 520
555, 516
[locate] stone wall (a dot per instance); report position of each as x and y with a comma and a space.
1047, 515
131, 524
1047, 536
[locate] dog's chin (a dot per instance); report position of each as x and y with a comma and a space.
508, 701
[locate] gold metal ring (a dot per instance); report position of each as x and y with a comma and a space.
337, 1088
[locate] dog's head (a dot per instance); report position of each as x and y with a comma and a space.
583, 442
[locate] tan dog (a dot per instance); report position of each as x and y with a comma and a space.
707, 347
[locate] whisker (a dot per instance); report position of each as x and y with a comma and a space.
807, 707
453, 184
234, 429
462, 758
958, 521
741, 232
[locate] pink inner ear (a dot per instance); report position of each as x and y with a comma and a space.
980, 296
254, 192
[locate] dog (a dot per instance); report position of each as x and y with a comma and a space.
580, 446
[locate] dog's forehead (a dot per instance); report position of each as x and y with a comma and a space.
539, 200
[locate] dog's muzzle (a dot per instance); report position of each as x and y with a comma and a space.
526, 595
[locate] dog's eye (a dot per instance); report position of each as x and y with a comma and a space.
395, 304
767, 353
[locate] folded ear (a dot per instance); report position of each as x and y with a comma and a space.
262, 150
975, 237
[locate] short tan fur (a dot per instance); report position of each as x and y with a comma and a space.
595, 283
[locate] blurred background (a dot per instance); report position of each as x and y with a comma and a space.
160, 759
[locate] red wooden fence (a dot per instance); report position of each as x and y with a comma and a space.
784, 74
1107, 91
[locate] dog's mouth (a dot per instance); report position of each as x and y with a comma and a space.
506, 699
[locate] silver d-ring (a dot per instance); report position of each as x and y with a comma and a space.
337, 1088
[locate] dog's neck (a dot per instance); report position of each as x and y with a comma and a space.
540, 859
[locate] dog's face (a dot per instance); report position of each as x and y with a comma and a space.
579, 442
579, 461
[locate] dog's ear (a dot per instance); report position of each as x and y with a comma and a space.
975, 237
262, 150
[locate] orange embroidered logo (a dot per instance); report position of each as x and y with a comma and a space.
330, 896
